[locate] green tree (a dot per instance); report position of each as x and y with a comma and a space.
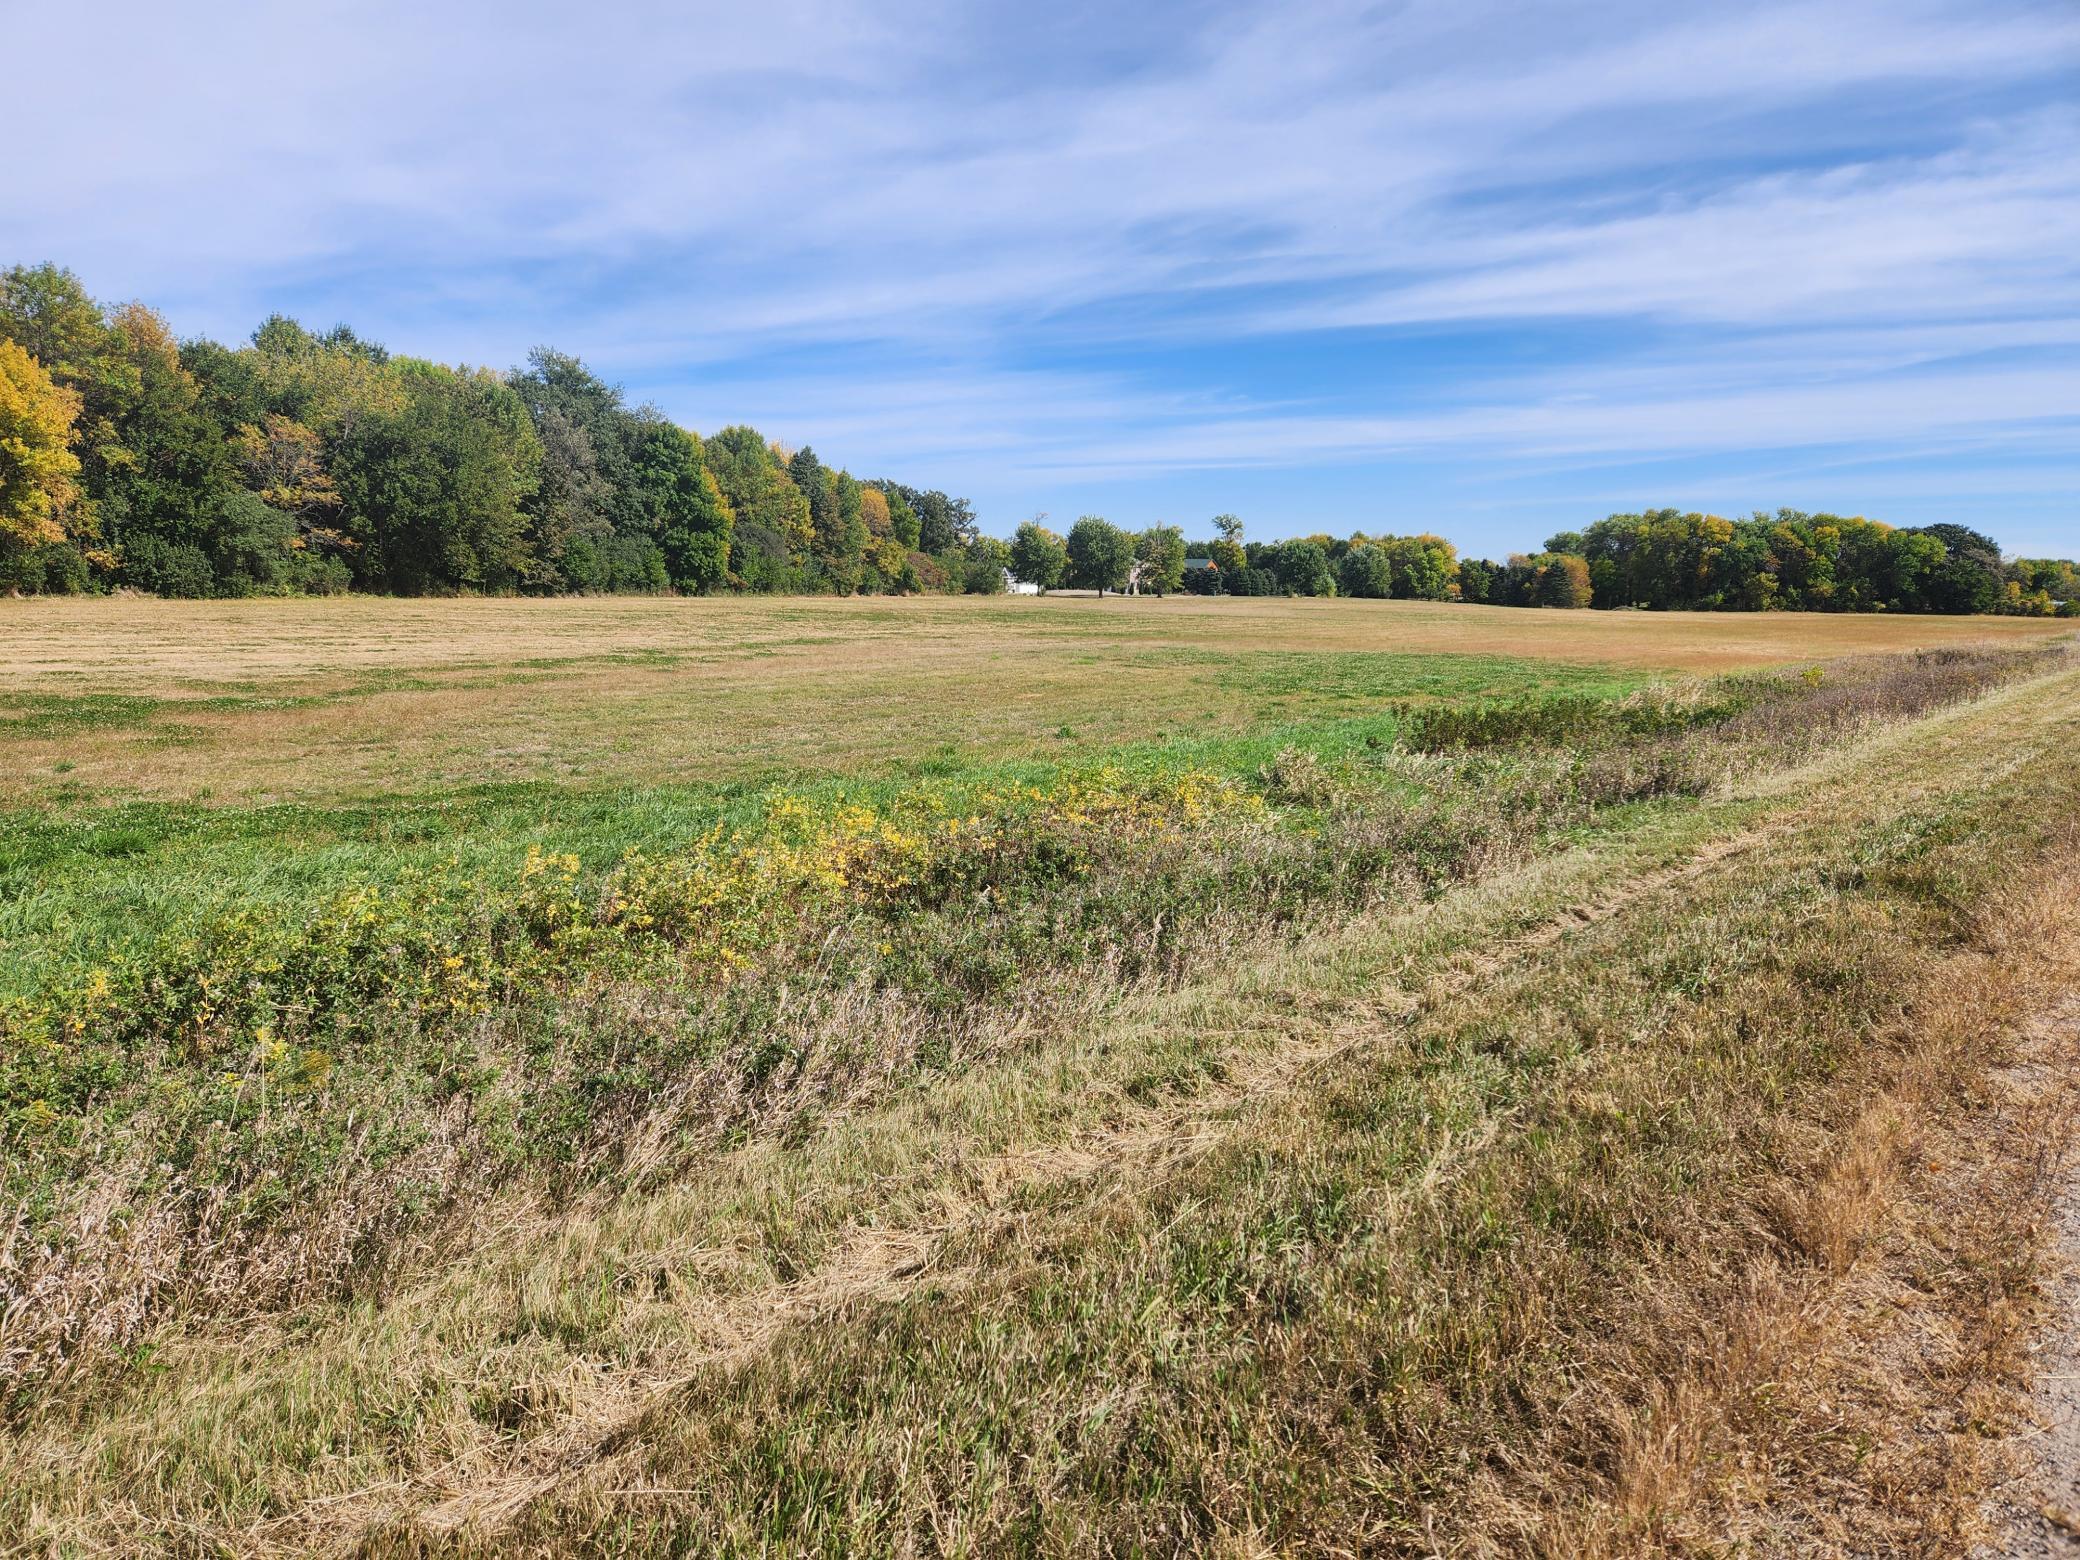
228, 382
47, 311
850, 550
1160, 551
432, 492
1801, 552
1038, 556
596, 517
169, 485
983, 564
682, 507
1425, 566
1302, 568
943, 523
2056, 580
1366, 571
759, 558
902, 519
1969, 578
570, 527
1881, 569
328, 383
755, 481
835, 565
1477, 580
250, 545
1099, 555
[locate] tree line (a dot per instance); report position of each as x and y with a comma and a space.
1664, 559
305, 462
1669, 559
302, 462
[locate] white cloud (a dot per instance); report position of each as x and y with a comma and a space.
1816, 219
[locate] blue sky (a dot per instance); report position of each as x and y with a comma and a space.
1490, 270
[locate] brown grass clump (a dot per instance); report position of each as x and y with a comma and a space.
1850, 1388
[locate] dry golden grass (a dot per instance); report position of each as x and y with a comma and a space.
275, 699
143, 645
1856, 1387
1659, 1283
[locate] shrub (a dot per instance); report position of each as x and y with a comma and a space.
51, 569
168, 568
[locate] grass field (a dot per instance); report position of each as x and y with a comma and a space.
1022, 1076
268, 700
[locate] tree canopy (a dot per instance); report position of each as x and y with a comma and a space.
1100, 554
302, 461
1038, 556
1666, 559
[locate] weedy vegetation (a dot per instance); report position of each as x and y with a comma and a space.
1428, 1113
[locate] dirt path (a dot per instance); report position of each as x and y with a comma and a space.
2042, 1509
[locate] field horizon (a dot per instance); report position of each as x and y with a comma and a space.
302, 697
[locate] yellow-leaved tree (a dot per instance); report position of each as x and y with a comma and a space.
39, 487
285, 462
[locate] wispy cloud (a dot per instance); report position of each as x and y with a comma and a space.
1040, 247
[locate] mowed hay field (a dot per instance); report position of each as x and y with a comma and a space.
1024, 1076
271, 699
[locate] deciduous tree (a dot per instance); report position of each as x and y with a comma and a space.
39, 473
1038, 556
1160, 550
1099, 555
1366, 571
432, 492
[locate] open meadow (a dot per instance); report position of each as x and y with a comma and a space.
1052, 1076
272, 700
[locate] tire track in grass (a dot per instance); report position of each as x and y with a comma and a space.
874, 1262
883, 1262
